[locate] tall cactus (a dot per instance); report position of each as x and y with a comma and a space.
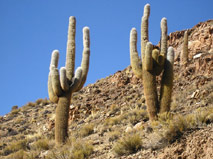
61, 87
152, 63
185, 52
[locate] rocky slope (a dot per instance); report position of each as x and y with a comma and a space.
105, 112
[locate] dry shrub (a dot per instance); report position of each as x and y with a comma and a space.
78, 149
41, 101
86, 130
114, 135
133, 116
41, 144
128, 144
16, 146
171, 127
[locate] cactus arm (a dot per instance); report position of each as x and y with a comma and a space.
53, 97
70, 55
144, 29
53, 63
167, 82
163, 41
54, 59
134, 59
85, 57
55, 81
148, 62
76, 79
63, 79
184, 55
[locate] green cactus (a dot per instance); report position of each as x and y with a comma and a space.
185, 52
153, 62
61, 87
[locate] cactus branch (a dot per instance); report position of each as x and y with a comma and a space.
134, 59
167, 82
85, 57
144, 29
70, 58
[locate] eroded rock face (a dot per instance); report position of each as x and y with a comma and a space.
200, 39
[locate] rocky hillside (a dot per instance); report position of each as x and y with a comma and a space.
108, 119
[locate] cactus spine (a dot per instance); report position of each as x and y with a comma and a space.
61, 87
184, 55
153, 61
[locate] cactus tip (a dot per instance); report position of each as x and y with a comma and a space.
71, 18
86, 29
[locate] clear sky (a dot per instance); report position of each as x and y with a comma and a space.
31, 29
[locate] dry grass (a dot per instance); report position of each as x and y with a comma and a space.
78, 149
15, 146
128, 144
171, 127
41, 101
130, 117
114, 135
86, 130
41, 144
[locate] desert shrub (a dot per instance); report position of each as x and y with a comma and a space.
133, 116
136, 115
86, 130
113, 121
77, 150
44, 101
17, 155
15, 111
171, 127
16, 146
14, 107
81, 150
41, 144
128, 144
31, 104
114, 109
114, 135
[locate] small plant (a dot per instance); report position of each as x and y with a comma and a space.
17, 155
87, 130
42, 101
41, 144
114, 135
77, 150
16, 146
15, 111
81, 150
128, 144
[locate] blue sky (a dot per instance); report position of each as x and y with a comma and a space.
31, 29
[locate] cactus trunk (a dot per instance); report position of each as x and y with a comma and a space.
150, 92
61, 120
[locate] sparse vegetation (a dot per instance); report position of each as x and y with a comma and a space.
41, 144
129, 143
77, 150
171, 127
16, 146
86, 130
